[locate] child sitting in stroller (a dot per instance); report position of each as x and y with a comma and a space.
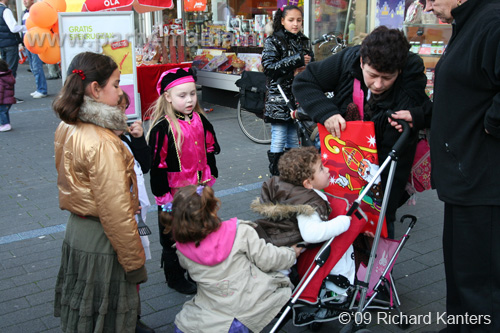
296, 210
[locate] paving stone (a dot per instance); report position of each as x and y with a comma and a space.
11, 271
41, 298
424, 277
16, 292
40, 265
32, 326
52, 322
26, 315
432, 258
6, 284
426, 246
13, 305
33, 261
50, 283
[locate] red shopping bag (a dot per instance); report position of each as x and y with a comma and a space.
420, 177
22, 57
353, 160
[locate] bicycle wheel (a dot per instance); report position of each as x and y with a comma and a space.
253, 126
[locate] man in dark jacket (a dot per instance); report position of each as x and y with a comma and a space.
465, 146
9, 37
390, 77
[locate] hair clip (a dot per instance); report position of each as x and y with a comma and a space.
199, 190
167, 207
79, 72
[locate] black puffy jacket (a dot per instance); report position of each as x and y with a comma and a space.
283, 53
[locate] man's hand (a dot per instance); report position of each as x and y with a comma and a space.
335, 125
403, 115
136, 129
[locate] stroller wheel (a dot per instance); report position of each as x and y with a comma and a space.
315, 327
351, 328
403, 324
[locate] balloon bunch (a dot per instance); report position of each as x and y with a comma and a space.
42, 36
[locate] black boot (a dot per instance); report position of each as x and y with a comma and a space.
141, 327
273, 162
174, 274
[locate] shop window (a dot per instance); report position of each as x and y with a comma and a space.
335, 17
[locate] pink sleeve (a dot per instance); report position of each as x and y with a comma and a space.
209, 139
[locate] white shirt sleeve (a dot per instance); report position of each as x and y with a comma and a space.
314, 230
11, 21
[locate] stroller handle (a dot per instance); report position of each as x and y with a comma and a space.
404, 136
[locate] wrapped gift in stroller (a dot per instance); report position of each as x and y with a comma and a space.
312, 302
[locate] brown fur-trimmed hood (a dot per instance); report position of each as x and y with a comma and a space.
281, 200
279, 205
102, 115
280, 211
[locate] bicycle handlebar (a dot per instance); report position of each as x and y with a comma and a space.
327, 38
319, 40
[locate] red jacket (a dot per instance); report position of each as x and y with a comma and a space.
7, 82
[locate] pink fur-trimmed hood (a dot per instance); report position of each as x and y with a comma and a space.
215, 248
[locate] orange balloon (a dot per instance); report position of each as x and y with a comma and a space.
53, 53
55, 28
58, 5
43, 15
37, 39
29, 23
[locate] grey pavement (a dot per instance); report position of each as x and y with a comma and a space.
32, 226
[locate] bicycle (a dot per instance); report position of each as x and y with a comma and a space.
250, 108
254, 126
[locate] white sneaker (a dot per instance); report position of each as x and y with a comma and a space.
33, 93
5, 128
38, 94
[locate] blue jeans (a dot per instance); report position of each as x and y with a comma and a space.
4, 114
10, 54
283, 135
36, 66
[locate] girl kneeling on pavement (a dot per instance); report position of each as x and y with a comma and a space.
239, 286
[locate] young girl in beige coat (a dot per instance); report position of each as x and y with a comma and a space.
239, 287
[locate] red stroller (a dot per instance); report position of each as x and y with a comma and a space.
309, 305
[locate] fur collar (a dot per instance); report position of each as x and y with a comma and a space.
277, 211
102, 115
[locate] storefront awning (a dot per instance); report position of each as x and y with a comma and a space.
140, 6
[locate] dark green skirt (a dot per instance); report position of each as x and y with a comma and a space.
92, 294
